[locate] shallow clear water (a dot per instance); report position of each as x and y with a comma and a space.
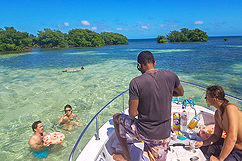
33, 86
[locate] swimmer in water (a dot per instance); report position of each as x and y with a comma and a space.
69, 120
36, 141
40, 149
74, 70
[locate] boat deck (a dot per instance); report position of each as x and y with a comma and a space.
101, 150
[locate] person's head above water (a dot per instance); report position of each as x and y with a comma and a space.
67, 106
68, 109
35, 125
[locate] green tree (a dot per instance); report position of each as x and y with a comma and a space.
11, 40
84, 38
161, 39
197, 35
176, 36
186, 35
111, 38
49, 38
226, 39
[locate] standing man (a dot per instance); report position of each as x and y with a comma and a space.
36, 141
150, 97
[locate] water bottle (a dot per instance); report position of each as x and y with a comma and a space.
183, 125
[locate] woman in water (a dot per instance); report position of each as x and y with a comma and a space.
69, 119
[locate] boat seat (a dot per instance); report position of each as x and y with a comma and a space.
112, 145
136, 151
135, 147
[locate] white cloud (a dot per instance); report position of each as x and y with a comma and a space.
216, 23
170, 23
119, 29
144, 27
94, 28
66, 24
86, 23
198, 22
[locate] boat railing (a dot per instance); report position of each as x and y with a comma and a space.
228, 95
97, 128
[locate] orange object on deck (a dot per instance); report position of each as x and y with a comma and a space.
207, 131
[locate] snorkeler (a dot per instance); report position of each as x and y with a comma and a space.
69, 119
36, 141
74, 70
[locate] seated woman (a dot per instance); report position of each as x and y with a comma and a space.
69, 120
228, 117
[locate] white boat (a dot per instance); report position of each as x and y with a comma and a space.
101, 146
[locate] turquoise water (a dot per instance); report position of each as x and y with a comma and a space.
33, 86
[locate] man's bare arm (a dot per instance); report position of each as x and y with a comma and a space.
178, 91
133, 108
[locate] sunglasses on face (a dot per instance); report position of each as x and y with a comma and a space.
67, 110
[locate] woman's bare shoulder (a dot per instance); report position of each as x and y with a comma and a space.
232, 106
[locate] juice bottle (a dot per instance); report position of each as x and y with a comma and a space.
176, 121
193, 122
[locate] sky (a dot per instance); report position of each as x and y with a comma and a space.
135, 19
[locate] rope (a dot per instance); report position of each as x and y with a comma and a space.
186, 101
228, 95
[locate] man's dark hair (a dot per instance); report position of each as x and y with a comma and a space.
35, 124
67, 106
145, 57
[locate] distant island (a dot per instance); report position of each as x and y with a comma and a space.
226, 39
13, 40
185, 35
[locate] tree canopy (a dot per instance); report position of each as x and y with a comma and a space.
186, 35
12, 40
161, 39
114, 38
84, 38
49, 38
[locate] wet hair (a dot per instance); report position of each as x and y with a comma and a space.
35, 124
145, 57
82, 67
218, 92
67, 106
